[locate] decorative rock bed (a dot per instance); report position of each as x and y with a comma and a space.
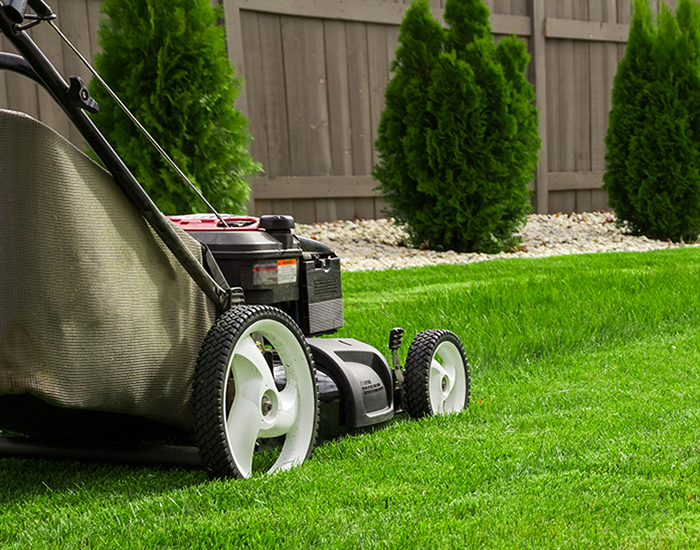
381, 244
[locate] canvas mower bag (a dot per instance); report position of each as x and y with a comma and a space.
96, 313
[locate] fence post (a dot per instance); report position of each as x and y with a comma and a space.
234, 45
538, 53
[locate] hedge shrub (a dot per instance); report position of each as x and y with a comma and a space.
458, 138
653, 142
166, 60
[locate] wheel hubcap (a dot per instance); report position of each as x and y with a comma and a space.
266, 405
261, 410
447, 387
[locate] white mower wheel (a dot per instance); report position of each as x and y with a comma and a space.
436, 379
238, 399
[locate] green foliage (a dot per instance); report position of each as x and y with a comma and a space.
458, 138
653, 141
166, 59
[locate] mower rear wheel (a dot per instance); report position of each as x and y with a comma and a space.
254, 385
436, 378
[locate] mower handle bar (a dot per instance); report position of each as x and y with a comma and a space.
16, 9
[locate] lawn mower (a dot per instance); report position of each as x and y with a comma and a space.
123, 326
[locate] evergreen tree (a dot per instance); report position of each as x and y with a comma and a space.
401, 140
653, 141
166, 60
458, 137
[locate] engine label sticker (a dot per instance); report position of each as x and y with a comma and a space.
275, 273
286, 271
265, 274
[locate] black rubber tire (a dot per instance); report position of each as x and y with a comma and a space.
417, 380
209, 386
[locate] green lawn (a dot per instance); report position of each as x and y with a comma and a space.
582, 431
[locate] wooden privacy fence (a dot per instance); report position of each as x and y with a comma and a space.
316, 72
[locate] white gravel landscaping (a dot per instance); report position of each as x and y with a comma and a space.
379, 244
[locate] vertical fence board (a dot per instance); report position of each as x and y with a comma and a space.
304, 210
599, 200
624, 15
552, 85
21, 92
381, 208
283, 207
538, 72
325, 210
339, 110
345, 209
582, 100
234, 50
520, 7
378, 80
73, 19
562, 201
599, 114
567, 103
364, 208
584, 200
252, 59
307, 104
360, 115
566, 201
502, 6
378, 73
610, 62
49, 111
552, 106
338, 97
624, 11
274, 95
392, 42
94, 15
263, 207
307, 101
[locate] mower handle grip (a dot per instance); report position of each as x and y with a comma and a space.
16, 9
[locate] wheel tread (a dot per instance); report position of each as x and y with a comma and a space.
416, 376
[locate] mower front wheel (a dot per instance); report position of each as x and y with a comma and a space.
254, 389
436, 379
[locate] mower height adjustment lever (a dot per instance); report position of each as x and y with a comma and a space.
79, 96
395, 338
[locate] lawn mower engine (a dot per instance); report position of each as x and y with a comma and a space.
301, 277
298, 275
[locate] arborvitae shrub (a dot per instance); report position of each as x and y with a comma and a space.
166, 60
653, 142
458, 138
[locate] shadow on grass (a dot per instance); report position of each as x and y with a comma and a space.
24, 480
